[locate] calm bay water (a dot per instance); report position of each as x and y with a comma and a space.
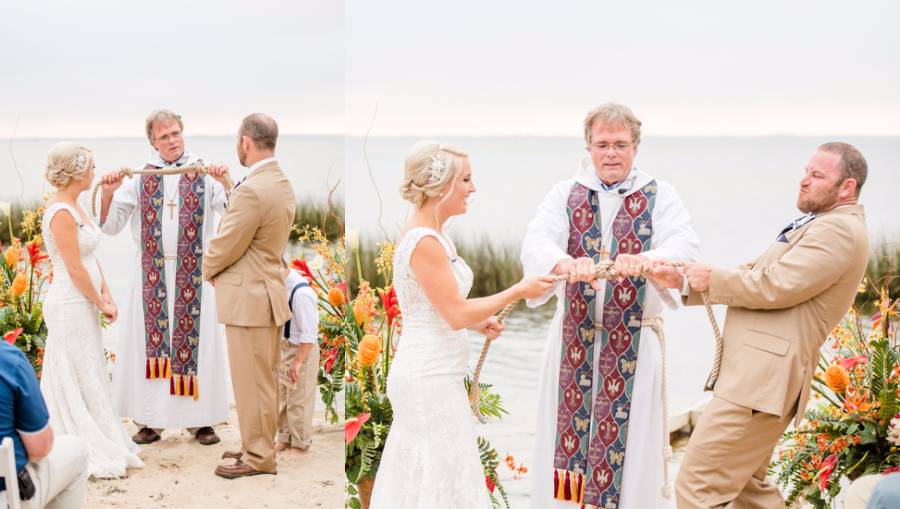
739, 191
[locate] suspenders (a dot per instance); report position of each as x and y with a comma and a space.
287, 325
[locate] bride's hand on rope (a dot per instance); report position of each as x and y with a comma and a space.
490, 328
533, 287
111, 181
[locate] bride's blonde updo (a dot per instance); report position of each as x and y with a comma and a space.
429, 169
67, 162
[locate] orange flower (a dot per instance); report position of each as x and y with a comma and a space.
336, 297
12, 255
13, 335
18, 286
362, 310
369, 349
837, 379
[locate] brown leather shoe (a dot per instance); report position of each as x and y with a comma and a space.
207, 436
235, 455
145, 436
238, 469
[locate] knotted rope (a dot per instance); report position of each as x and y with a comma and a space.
130, 173
606, 270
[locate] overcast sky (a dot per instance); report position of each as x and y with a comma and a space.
97, 67
686, 68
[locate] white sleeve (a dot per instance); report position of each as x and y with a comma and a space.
305, 317
546, 237
124, 201
219, 198
673, 237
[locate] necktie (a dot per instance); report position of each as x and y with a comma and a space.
796, 223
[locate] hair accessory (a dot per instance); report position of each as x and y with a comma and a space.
80, 162
437, 170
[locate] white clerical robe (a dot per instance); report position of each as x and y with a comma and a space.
149, 402
544, 245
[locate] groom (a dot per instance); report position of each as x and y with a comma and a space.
781, 308
245, 263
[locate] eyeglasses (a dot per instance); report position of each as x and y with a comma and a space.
171, 136
618, 147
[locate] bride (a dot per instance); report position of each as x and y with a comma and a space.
431, 459
75, 384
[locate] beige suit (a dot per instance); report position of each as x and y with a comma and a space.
781, 309
245, 260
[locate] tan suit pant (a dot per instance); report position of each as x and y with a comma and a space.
253, 356
297, 406
727, 459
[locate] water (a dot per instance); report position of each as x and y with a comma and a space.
739, 191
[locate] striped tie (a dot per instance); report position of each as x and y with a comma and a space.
796, 223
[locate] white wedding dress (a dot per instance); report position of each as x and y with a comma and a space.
431, 458
75, 383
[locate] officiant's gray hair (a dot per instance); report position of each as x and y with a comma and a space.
260, 128
161, 116
613, 114
419, 183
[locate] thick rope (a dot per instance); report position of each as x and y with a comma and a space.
717, 361
130, 173
604, 270
656, 325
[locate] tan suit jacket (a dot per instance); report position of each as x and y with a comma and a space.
782, 307
246, 257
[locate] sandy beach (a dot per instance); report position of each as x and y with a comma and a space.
178, 473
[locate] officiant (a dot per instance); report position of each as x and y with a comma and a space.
171, 369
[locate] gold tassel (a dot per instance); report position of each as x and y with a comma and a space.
168, 368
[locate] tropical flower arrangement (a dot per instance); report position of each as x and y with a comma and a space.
361, 331
25, 269
855, 430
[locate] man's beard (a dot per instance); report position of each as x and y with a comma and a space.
815, 205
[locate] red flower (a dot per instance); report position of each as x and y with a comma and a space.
827, 467
35, 253
852, 361
353, 425
390, 303
490, 484
301, 266
12, 335
330, 356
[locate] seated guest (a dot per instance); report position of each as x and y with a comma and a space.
300, 355
52, 474
877, 491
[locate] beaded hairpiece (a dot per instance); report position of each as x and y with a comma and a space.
438, 168
80, 162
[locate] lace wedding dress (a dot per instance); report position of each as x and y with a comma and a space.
431, 458
74, 382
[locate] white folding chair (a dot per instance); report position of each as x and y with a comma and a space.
9, 498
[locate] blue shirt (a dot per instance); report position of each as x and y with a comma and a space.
22, 408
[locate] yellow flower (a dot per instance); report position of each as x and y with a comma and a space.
369, 349
837, 378
18, 286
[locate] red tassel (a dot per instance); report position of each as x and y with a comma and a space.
580, 482
567, 488
172, 385
190, 391
148, 369
181, 393
555, 483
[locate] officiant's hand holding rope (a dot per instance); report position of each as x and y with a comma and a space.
217, 171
